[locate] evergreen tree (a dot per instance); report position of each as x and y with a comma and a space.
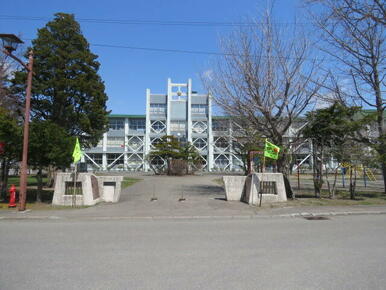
10, 137
67, 89
332, 130
170, 148
49, 145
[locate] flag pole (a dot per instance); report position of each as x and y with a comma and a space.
262, 174
74, 191
265, 144
76, 155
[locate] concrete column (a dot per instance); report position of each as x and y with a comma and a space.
312, 154
189, 112
125, 143
147, 130
230, 145
168, 99
104, 149
210, 135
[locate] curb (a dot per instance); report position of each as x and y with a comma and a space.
175, 218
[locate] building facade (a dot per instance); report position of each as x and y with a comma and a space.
187, 115
180, 112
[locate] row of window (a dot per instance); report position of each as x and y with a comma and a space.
134, 124
177, 126
135, 144
199, 109
161, 108
157, 108
111, 157
219, 160
140, 124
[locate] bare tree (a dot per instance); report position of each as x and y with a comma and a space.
7, 100
353, 32
3, 77
359, 10
266, 80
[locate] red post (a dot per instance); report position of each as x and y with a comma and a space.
12, 196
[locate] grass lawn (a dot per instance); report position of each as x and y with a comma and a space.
342, 198
47, 194
31, 180
128, 181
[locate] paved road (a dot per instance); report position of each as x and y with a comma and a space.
346, 252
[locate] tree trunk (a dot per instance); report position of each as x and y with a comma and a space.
40, 185
317, 170
334, 184
168, 165
384, 175
4, 178
51, 174
352, 183
283, 164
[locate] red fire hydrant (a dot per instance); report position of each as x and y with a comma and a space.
12, 196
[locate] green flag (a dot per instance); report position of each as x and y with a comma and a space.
77, 154
271, 150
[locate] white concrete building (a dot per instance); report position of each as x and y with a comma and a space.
181, 112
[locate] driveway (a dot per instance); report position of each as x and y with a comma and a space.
202, 197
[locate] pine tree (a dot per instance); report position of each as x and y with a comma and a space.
49, 145
67, 89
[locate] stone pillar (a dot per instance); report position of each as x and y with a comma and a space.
104, 154
210, 135
168, 100
189, 112
147, 131
230, 145
125, 143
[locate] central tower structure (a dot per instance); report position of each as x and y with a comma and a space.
182, 113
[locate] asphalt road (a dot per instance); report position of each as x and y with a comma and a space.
345, 252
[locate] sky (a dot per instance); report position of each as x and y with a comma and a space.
127, 73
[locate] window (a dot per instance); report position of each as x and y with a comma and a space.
158, 126
199, 108
199, 127
158, 108
199, 143
157, 161
96, 157
112, 157
116, 124
115, 141
134, 161
177, 126
155, 141
135, 143
137, 124
220, 125
221, 161
221, 143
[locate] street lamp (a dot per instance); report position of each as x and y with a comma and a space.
10, 42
